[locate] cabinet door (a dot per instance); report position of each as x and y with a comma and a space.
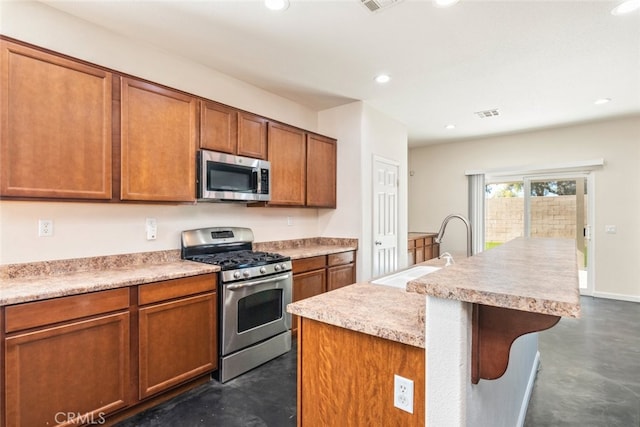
287, 154
306, 285
419, 251
178, 342
252, 136
158, 143
81, 368
340, 276
218, 127
321, 171
56, 126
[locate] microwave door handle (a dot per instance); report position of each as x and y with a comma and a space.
254, 179
251, 283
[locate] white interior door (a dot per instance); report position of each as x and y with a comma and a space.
385, 216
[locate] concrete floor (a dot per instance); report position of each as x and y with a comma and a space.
589, 377
590, 369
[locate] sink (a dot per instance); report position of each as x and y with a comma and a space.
400, 279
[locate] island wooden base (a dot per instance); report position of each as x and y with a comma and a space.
494, 330
346, 378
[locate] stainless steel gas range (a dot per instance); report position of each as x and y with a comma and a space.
254, 290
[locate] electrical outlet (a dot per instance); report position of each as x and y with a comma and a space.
403, 393
152, 228
45, 227
610, 229
289, 220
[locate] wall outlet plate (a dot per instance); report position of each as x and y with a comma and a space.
151, 227
403, 393
45, 227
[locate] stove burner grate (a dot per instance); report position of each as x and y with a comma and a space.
239, 259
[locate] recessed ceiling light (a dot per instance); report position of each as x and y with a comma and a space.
602, 101
276, 4
444, 3
450, 127
626, 7
383, 78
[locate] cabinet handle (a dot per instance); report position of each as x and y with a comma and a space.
378, 242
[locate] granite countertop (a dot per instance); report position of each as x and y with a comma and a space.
538, 275
382, 311
310, 247
507, 276
50, 279
420, 234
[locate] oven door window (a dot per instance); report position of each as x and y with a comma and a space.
223, 177
259, 309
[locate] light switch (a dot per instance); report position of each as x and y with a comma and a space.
610, 229
152, 228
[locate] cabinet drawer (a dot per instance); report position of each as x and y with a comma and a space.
308, 264
40, 313
411, 244
419, 243
341, 258
176, 288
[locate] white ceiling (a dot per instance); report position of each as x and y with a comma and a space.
540, 63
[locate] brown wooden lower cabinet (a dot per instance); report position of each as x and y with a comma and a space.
422, 247
341, 270
79, 369
315, 275
177, 342
346, 378
72, 360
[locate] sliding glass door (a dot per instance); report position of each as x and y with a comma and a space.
541, 206
557, 206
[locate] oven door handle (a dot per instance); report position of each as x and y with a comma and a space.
257, 282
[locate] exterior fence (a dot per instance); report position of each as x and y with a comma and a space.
550, 217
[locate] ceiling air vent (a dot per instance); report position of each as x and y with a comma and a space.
487, 113
376, 5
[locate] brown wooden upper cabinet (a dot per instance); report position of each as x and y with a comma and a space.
56, 126
303, 167
321, 171
287, 155
252, 136
228, 130
218, 127
158, 140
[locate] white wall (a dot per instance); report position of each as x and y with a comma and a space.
92, 229
364, 132
451, 399
439, 187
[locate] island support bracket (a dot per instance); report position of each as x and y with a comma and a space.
494, 329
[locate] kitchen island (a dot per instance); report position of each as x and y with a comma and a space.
525, 277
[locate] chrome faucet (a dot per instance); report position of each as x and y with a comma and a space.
444, 226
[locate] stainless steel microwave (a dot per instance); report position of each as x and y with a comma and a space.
225, 177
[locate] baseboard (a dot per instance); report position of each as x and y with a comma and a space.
620, 297
527, 393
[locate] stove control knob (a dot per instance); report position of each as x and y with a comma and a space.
246, 274
236, 275
277, 267
283, 266
263, 270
